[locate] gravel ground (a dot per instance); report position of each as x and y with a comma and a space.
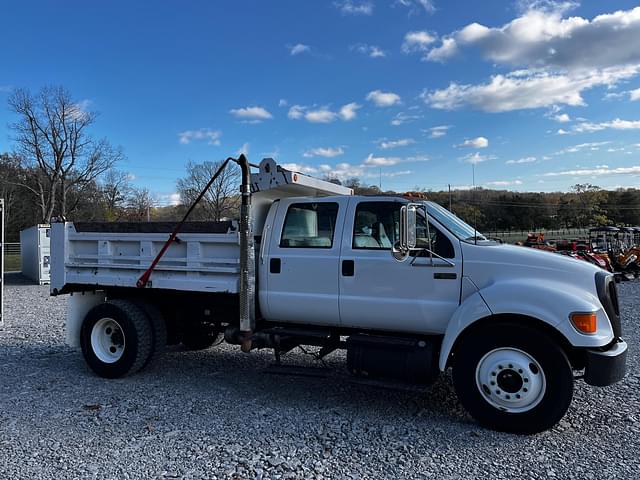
217, 414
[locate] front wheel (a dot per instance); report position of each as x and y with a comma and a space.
513, 378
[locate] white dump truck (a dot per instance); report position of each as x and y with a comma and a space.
406, 287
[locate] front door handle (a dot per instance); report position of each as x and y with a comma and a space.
348, 268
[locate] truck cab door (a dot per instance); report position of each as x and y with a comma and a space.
380, 293
299, 266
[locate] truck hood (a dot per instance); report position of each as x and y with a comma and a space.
486, 264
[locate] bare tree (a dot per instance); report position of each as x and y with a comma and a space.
10, 171
221, 200
52, 135
116, 193
139, 204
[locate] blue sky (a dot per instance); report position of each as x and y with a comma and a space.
538, 95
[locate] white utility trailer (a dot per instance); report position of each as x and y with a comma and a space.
35, 252
2, 252
406, 287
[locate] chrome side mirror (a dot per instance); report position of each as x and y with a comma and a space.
408, 238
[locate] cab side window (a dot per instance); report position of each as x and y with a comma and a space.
309, 225
377, 226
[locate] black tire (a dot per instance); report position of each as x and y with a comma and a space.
552, 401
136, 329
199, 336
158, 330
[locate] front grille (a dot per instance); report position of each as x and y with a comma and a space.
608, 295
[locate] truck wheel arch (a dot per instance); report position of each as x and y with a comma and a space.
453, 339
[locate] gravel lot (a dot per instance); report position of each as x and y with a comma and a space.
217, 414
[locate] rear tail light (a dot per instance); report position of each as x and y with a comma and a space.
585, 322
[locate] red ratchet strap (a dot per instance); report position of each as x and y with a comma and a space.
144, 278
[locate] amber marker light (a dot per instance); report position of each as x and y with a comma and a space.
585, 322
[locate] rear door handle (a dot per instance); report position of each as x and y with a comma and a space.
445, 276
348, 268
275, 265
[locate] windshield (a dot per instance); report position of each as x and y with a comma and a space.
454, 224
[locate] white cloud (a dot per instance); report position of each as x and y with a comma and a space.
349, 111
323, 114
299, 167
634, 95
371, 51
562, 131
351, 7
475, 158
372, 161
592, 146
296, 112
212, 136
439, 131
417, 41
371, 167
503, 183
6, 88
402, 117
403, 142
253, 114
562, 57
599, 170
478, 142
616, 124
383, 99
521, 161
447, 49
417, 6
562, 118
541, 37
283, 102
417, 158
298, 49
79, 110
525, 89
164, 199
244, 149
327, 152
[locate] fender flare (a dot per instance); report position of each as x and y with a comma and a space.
78, 305
549, 304
472, 309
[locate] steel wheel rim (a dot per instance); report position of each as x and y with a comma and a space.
511, 380
107, 340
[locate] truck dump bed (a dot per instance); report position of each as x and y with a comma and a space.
205, 257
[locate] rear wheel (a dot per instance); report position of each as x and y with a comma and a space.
513, 378
116, 338
158, 330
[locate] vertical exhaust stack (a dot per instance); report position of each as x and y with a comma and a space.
247, 259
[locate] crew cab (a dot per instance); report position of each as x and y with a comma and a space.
405, 286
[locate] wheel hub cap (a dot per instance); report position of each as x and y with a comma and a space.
510, 380
107, 340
